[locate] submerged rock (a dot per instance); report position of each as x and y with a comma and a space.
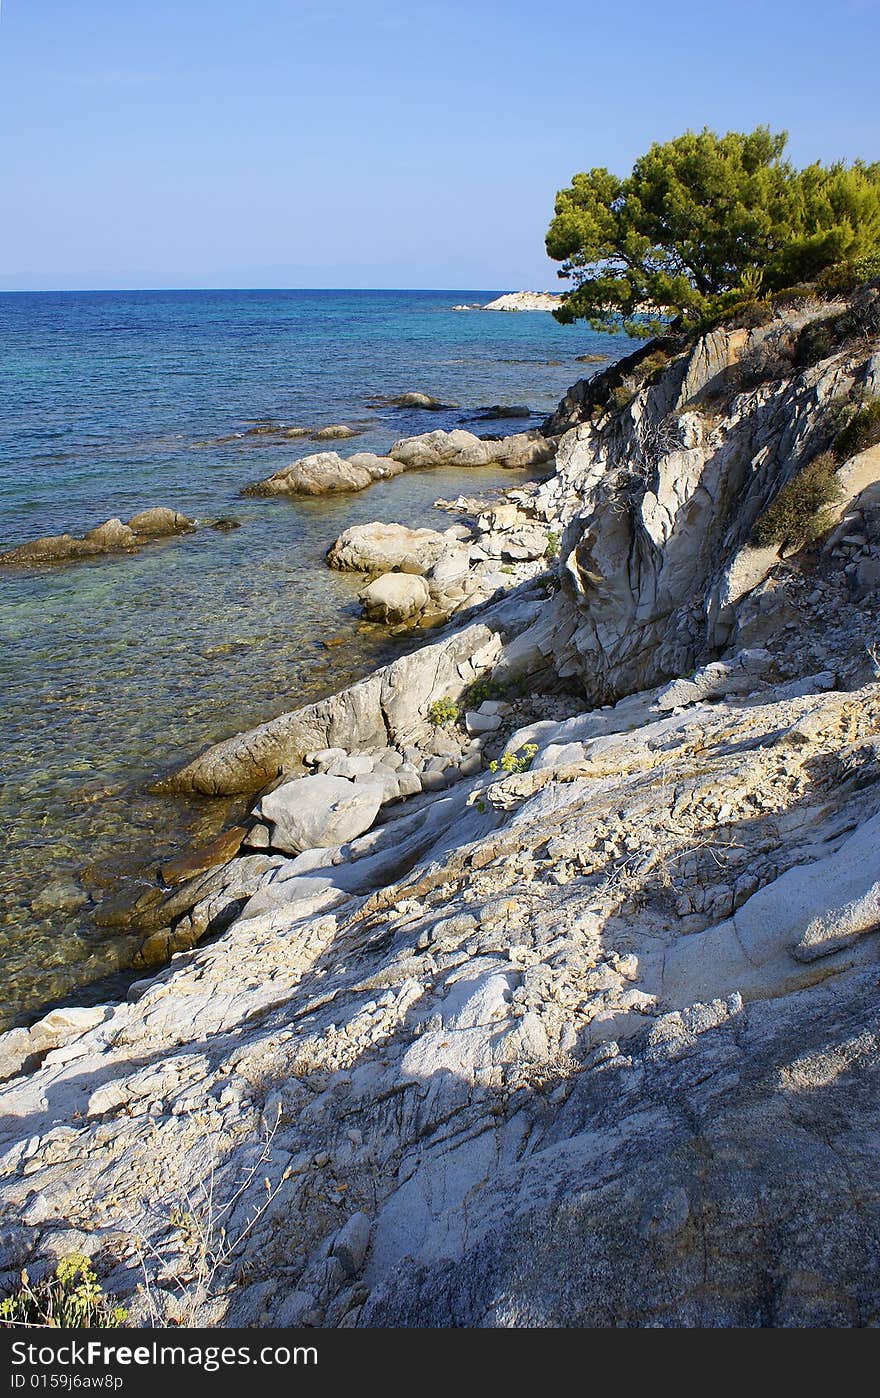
277, 429
111, 537
217, 851
326, 472
336, 431
412, 400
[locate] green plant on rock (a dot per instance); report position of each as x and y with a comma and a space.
861, 431
519, 761
554, 539
621, 397
443, 712
71, 1299
802, 510
484, 689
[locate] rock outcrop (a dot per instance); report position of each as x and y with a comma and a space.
463, 566
660, 498
380, 548
424, 401
390, 704
111, 537
524, 301
327, 472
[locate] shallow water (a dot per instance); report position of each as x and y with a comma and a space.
114, 670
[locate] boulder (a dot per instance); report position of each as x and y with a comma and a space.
412, 400
460, 448
524, 543
319, 812
389, 705
380, 467
323, 473
449, 572
380, 548
220, 850
457, 448
112, 534
524, 449
335, 431
395, 597
159, 522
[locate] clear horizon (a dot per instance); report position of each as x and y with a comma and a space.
404, 147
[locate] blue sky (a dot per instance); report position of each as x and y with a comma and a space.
395, 143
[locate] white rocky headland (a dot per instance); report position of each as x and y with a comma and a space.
525, 301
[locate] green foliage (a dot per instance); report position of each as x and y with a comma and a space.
484, 689
553, 543
71, 1299
861, 431
443, 711
519, 761
800, 512
704, 224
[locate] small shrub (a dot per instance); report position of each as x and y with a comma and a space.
443, 711
553, 541
861, 431
72, 1299
867, 269
844, 277
519, 761
816, 341
768, 360
484, 689
793, 298
801, 510
621, 397
652, 366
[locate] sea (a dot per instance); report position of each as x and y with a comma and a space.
115, 671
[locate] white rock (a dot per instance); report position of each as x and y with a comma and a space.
319, 812
478, 722
395, 597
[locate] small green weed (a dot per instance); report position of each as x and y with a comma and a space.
443, 712
519, 761
72, 1299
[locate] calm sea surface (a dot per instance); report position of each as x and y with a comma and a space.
113, 671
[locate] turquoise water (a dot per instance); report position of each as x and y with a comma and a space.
114, 671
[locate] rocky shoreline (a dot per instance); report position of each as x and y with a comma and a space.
538, 985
